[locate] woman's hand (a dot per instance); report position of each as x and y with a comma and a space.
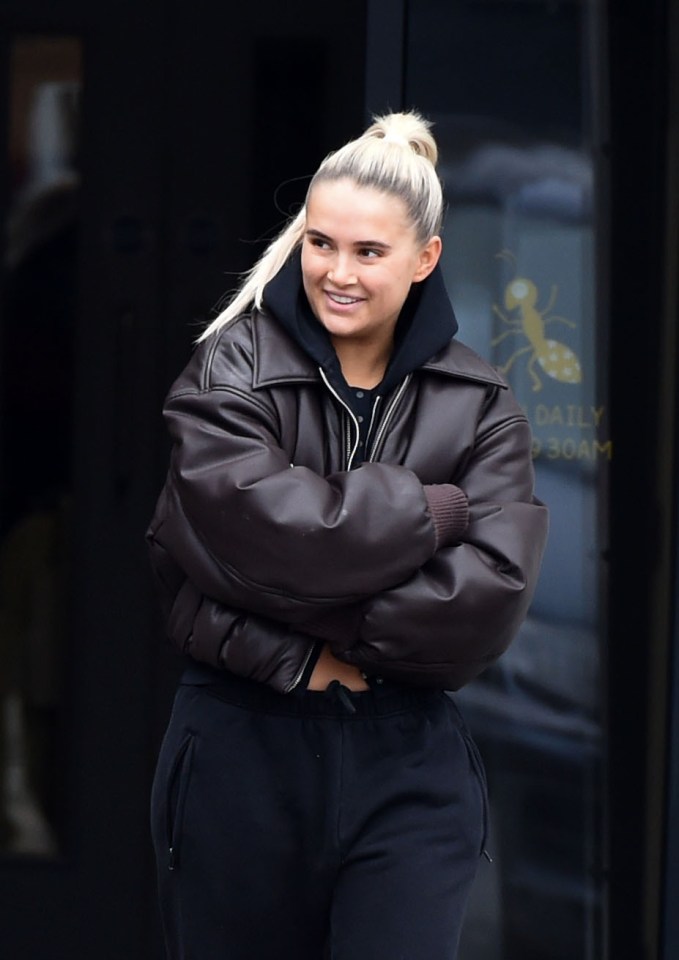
329, 668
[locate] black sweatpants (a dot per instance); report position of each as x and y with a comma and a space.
315, 825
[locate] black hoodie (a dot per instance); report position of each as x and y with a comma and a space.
425, 326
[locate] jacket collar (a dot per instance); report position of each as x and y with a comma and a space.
425, 325
459, 361
279, 360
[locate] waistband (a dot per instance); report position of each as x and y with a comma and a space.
382, 699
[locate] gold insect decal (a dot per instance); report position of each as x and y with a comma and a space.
554, 359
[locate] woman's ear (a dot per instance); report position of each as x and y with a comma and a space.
428, 258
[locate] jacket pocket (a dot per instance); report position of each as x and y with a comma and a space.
177, 787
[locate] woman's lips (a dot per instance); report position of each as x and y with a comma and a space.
342, 301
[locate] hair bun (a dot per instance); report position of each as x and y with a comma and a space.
407, 130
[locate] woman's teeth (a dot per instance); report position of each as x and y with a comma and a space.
338, 299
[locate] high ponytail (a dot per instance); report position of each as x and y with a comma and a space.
406, 129
396, 155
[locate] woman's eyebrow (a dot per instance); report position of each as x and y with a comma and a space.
373, 243
357, 243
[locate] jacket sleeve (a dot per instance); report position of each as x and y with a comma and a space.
460, 611
225, 637
251, 530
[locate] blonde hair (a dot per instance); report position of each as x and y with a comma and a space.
397, 155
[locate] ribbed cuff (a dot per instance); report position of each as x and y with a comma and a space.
449, 510
338, 627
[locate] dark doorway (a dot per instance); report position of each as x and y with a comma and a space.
144, 150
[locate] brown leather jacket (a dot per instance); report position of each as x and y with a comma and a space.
261, 533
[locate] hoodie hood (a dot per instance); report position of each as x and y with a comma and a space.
425, 326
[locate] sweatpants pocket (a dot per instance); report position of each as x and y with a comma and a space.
177, 786
479, 769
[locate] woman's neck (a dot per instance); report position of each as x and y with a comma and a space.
363, 365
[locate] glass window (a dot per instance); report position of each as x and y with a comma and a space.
37, 297
507, 85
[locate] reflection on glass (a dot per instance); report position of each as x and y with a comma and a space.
36, 376
504, 85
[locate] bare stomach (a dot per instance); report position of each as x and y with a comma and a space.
329, 668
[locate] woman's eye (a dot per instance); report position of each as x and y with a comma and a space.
319, 242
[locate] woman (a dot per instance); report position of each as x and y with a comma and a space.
348, 530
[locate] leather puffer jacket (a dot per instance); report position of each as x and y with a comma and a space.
261, 532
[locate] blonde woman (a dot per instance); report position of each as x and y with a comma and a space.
348, 530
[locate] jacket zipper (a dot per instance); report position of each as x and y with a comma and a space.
350, 451
346, 436
373, 416
384, 423
300, 673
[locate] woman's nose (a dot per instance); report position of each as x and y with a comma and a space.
342, 272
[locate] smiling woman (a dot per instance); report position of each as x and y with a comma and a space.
360, 257
347, 531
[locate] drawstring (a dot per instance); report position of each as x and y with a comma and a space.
339, 692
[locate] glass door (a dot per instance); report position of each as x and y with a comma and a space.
37, 331
509, 90
78, 406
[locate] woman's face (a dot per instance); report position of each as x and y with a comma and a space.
360, 255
